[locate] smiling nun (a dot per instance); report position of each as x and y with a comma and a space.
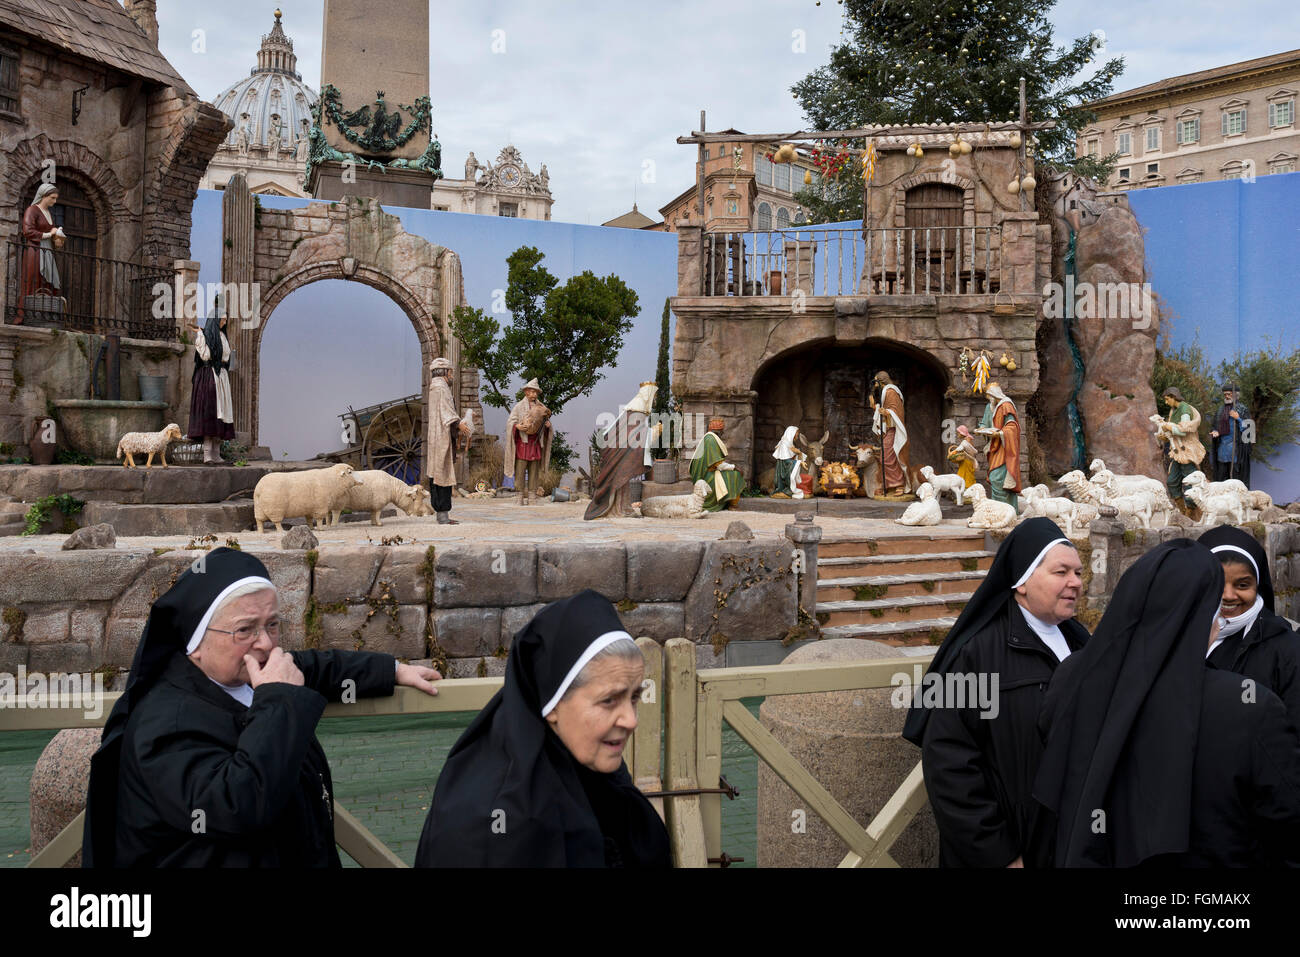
538, 778
979, 759
1253, 640
209, 758
1154, 759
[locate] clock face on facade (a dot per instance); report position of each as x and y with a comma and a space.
510, 175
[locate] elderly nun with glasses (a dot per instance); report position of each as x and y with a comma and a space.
210, 758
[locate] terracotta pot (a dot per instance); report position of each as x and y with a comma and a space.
42, 452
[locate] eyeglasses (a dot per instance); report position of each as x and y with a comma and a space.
248, 633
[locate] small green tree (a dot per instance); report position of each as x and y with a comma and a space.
663, 397
561, 335
562, 453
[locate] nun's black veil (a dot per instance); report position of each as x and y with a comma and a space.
1016, 554
510, 793
172, 621
1228, 535
1123, 714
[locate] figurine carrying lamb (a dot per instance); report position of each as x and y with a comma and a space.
678, 506
150, 443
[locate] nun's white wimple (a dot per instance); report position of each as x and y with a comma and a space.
1039, 560
1235, 548
604, 641
216, 603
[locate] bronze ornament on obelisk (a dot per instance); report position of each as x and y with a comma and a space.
374, 109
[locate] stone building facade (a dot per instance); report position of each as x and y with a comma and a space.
774, 203
953, 260
505, 188
87, 98
1230, 122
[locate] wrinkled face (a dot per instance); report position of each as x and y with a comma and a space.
532, 395
1229, 398
596, 720
220, 656
1240, 589
1053, 589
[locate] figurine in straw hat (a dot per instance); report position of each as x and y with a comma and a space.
528, 441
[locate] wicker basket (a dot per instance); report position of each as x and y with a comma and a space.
185, 453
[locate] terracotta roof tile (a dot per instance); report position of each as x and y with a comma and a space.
99, 30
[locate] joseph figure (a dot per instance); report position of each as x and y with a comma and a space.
710, 464
445, 427
1002, 423
887, 422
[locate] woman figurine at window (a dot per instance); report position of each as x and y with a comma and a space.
41, 237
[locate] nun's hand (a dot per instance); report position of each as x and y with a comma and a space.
1018, 862
279, 667
418, 677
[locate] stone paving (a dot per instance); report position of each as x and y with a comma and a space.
502, 520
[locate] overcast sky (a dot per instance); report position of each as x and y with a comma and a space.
599, 91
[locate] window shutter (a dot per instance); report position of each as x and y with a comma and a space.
1224, 129
1272, 114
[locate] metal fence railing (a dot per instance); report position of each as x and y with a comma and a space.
102, 296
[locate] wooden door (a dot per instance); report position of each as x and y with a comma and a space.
937, 208
77, 265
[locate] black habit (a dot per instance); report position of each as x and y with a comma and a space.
979, 771
511, 794
1153, 758
1269, 650
186, 776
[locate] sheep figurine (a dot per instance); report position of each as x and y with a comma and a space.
1256, 502
314, 494
926, 511
1229, 486
1217, 508
1058, 509
953, 484
1031, 493
1114, 487
678, 506
988, 513
1080, 489
151, 443
377, 491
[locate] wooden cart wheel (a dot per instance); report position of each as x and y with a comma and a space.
394, 441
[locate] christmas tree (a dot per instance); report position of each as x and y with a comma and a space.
951, 61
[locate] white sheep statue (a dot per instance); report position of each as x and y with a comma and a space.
376, 491
313, 494
1114, 487
678, 506
1230, 486
1080, 489
1031, 493
151, 443
1256, 502
988, 513
1217, 508
1058, 509
952, 483
926, 511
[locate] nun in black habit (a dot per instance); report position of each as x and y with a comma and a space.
1253, 640
1152, 757
209, 758
979, 760
538, 779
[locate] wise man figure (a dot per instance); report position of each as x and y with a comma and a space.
624, 454
1185, 448
528, 441
709, 463
1231, 438
442, 441
1001, 423
887, 422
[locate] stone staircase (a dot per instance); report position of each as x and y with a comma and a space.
13, 517
901, 590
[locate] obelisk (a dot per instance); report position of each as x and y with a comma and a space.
374, 107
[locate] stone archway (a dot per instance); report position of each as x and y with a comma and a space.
276, 252
824, 387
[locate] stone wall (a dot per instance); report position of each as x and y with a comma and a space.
85, 610
50, 364
1113, 550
